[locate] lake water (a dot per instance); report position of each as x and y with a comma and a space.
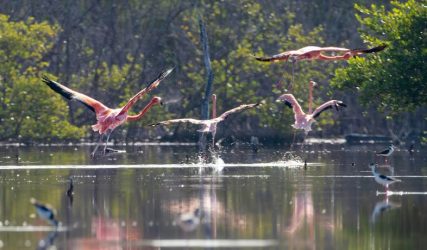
163, 196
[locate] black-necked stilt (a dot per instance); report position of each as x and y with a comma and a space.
386, 152
382, 179
45, 212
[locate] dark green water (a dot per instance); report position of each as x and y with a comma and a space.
135, 200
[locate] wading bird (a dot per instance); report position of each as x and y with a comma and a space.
107, 118
382, 179
209, 126
386, 152
303, 120
316, 53
45, 212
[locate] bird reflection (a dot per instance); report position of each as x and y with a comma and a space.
48, 241
381, 207
45, 212
70, 191
189, 221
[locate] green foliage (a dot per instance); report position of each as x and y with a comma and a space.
25, 111
395, 79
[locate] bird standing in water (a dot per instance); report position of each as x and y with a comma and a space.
45, 212
316, 53
382, 179
108, 119
386, 152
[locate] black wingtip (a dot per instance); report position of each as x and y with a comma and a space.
263, 59
372, 50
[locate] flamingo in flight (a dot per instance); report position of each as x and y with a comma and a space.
209, 126
107, 118
316, 53
303, 120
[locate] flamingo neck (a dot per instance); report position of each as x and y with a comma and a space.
310, 98
143, 111
213, 106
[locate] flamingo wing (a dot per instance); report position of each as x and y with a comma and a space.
371, 50
235, 110
291, 102
147, 89
328, 105
279, 57
89, 102
184, 120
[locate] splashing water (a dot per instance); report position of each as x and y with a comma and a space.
291, 161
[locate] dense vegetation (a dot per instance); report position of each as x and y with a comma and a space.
111, 50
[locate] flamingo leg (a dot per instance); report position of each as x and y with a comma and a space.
106, 142
213, 140
97, 145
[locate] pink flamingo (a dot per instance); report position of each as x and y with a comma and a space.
209, 126
108, 119
315, 53
303, 120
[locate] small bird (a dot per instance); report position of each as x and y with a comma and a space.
107, 118
315, 53
45, 212
386, 152
209, 126
382, 179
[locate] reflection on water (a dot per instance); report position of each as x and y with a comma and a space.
153, 197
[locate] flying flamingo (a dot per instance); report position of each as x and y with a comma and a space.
303, 120
316, 53
209, 126
108, 119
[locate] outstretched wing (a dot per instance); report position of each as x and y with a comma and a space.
89, 102
185, 120
371, 50
236, 109
327, 105
147, 89
291, 102
279, 57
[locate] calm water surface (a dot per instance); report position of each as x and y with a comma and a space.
155, 197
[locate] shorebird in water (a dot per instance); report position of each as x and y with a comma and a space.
386, 152
382, 179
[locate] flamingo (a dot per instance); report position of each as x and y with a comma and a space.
382, 179
209, 126
303, 120
108, 119
316, 53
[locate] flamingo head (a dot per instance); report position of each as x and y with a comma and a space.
313, 83
156, 100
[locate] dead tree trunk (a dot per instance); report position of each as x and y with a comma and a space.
210, 77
